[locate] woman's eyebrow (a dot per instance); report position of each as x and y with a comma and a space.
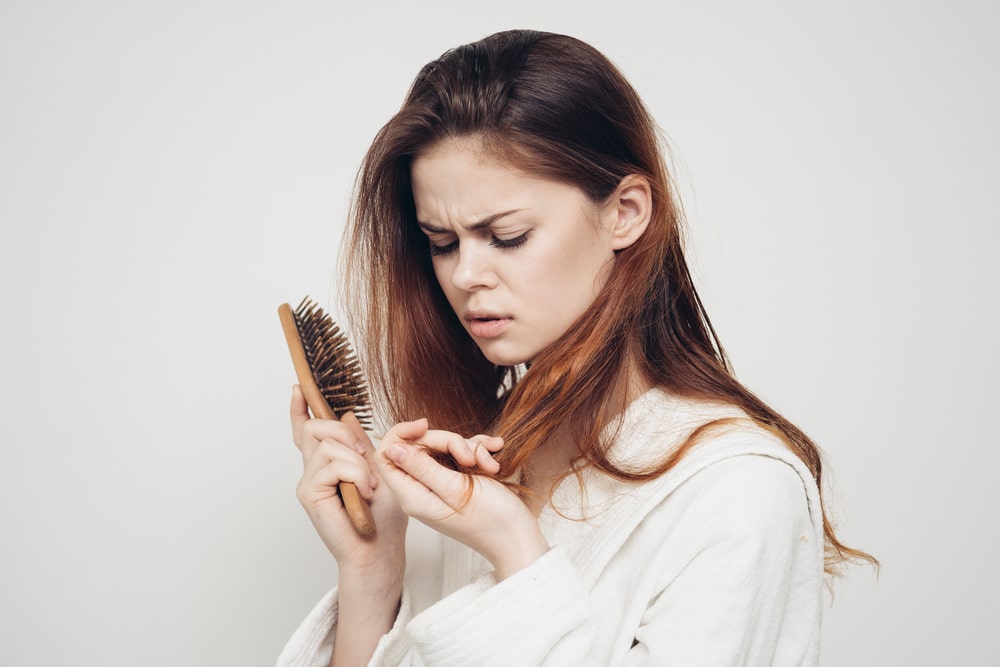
474, 227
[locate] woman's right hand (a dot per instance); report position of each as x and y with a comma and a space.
341, 451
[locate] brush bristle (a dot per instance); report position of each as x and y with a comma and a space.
332, 361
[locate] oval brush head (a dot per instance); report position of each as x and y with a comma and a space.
332, 383
332, 362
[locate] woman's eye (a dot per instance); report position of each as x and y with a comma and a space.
438, 250
503, 244
509, 243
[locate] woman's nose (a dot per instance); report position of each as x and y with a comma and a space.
473, 269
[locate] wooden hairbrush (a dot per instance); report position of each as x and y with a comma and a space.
331, 382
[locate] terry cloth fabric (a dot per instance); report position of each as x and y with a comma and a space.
717, 562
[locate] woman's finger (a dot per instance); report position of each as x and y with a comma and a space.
332, 451
494, 443
363, 444
483, 447
485, 460
463, 450
349, 420
366, 450
406, 431
316, 431
344, 470
448, 485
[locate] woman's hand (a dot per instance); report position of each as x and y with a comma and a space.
476, 510
370, 570
340, 451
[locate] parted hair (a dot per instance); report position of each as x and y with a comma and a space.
554, 107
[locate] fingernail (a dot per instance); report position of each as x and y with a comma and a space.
395, 453
359, 448
373, 482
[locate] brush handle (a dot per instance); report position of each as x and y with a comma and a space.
357, 509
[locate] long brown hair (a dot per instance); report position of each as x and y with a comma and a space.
555, 107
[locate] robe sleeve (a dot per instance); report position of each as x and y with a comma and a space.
311, 645
746, 537
538, 615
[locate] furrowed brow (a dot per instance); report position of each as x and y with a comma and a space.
474, 227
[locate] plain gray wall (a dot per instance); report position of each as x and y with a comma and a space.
171, 172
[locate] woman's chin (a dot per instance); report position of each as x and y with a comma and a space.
504, 357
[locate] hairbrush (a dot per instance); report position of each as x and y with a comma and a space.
331, 381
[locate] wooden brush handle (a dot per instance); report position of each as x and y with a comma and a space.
357, 509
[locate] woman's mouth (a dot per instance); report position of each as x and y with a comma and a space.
487, 326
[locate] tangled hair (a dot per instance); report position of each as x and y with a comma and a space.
554, 107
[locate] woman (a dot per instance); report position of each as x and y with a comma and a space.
515, 268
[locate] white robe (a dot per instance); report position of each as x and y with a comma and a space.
717, 562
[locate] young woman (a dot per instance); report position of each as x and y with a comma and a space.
601, 489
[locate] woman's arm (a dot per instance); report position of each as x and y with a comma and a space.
370, 569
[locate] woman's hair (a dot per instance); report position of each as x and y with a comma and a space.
554, 107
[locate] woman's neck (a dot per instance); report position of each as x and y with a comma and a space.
553, 462
562, 454
548, 466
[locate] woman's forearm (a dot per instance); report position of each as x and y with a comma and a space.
367, 609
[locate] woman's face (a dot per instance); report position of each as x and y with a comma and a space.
519, 257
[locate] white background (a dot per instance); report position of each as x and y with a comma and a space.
171, 172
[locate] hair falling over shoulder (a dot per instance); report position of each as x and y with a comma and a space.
552, 106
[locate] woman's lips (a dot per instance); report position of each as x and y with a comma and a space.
488, 327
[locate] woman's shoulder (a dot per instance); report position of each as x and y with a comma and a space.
727, 456
738, 479
658, 423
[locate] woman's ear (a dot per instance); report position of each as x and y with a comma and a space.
629, 209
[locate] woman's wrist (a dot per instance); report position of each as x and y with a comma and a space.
370, 598
383, 575
520, 553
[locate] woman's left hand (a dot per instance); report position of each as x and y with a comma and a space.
476, 510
